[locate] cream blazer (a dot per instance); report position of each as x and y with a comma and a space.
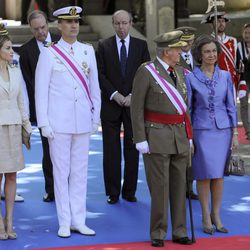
11, 101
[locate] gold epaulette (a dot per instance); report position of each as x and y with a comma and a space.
49, 44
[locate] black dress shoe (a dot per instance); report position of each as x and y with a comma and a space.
48, 197
183, 241
113, 199
129, 198
193, 195
157, 243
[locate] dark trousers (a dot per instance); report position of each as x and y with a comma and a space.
112, 156
47, 166
244, 113
43, 6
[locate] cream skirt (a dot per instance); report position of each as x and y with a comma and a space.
11, 149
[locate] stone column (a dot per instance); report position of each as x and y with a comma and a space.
13, 9
159, 19
2, 9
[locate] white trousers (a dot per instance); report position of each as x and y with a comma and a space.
69, 155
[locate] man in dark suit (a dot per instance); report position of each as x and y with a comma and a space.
187, 61
29, 54
162, 131
118, 58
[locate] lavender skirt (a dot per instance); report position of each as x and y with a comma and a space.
211, 152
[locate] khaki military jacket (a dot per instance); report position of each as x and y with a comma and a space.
148, 95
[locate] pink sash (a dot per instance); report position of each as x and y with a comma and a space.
74, 68
172, 93
174, 96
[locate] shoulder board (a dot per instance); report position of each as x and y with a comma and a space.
146, 63
49, 44
89, 44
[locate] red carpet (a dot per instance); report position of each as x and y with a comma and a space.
242, 137
228, 243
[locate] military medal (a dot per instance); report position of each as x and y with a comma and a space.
71, 51
85, 68
187, 59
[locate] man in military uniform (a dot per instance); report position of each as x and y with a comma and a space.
162, 131
187, 61
67, 99
227, 57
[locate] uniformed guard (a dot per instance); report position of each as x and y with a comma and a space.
162, 130
227, 57
187, 60
68, 108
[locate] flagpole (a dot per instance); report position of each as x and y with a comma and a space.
216, 20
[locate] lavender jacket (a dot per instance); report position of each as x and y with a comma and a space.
211, 100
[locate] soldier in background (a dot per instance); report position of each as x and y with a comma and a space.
227, 57
187, 61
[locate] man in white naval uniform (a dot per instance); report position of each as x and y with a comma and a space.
67, 98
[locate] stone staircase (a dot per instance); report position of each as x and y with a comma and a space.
21, 34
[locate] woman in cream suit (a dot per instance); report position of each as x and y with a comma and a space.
12, 119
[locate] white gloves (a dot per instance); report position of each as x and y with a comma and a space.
191, 146
242, 93
94, 127
47, 132
142, 147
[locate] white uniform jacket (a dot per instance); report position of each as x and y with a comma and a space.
60, 101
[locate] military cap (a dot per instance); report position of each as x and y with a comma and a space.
70, 12
209, 18
188, 33
170, 40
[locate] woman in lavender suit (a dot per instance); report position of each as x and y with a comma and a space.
214, 120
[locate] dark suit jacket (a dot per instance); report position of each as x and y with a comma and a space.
110, 76
29, 54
